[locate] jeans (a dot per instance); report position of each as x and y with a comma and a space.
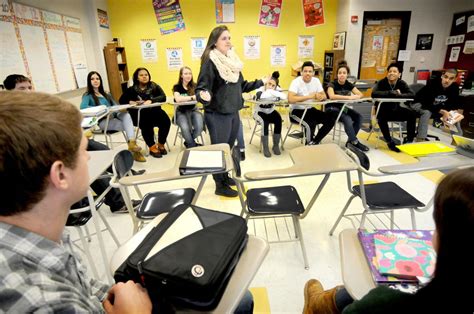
351, 119
393, 112
342, 298
314, 117
423, 121
191, 124
245, 305
240, 137
122, 121
223, 128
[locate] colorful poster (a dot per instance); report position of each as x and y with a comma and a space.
169, 16
305, 46
174, 58
148, 50
198, 44
377, 42
270, 11
313, 12
454, 55
225, 11
278, 55
103, 18
252, 47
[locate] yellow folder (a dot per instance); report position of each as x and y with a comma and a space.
425, 148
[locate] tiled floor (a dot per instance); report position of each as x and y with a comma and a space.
283, 273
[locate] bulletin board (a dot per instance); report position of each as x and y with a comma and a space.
45, 46
463, 55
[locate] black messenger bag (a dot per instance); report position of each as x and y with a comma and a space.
193, 253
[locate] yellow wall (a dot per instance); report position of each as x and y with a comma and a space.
132, 20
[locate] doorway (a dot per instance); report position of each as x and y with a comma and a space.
383, 35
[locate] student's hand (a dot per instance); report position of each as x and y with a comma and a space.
398, 92
147, 102
127, 297
133, 103
205, 95
355, 97
266, 78
319, 97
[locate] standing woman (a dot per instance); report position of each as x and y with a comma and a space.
219, 88
341, 89
188, 118
393, 86
96, 96
144, 92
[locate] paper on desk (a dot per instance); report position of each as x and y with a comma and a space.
205, 159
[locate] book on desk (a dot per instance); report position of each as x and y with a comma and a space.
384, 273
425, 148
202, 161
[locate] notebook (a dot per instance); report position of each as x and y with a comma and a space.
94, 111
202, 161
366, 239
404, 257
425, 148
465, 145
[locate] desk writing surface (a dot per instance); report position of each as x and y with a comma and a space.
173, 173
355, 270
436, 162
309, 160
248, 265
100, 160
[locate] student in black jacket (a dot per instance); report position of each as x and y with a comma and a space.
219, 88
144, 92
394, 87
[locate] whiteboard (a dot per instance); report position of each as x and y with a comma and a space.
61, 61
78, 57
10, 58
38, 58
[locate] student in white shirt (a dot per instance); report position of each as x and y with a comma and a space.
308, 88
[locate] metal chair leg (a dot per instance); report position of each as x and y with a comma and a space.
349, 201
296, 222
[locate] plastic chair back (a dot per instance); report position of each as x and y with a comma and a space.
363, 159
123, 162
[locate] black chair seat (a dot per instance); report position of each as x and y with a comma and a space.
274, 200
156, 203
387, 195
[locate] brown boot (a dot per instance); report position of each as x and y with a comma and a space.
133, 147
161, 148
155, 152
137, 156
318, 301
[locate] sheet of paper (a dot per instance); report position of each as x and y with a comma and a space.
205, 159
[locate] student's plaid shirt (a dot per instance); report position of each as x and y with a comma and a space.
39, 275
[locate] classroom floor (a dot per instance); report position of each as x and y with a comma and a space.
281, 278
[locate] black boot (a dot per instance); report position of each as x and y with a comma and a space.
266, 150
223, 189
392, 146
276, 144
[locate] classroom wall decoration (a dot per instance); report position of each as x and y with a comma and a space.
424, 41
103, 18
313, 12
174, 57
278, 55
148, 49
198, 44
252, 47
169, 16
270, 11
45, 46
225, 11
461, 42
305, 46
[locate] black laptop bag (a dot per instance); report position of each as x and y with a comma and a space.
193, 271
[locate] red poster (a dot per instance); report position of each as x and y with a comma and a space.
313, 12
270, 11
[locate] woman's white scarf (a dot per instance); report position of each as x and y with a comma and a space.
229, 66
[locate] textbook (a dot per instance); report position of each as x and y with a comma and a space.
202, 161
404, 257
366, 239
425, 148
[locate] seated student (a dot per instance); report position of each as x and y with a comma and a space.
269, 114
188, 118
144, 92
39, 272
96, 96
437, 99
454, 220
114, 198
394, 87
341, 89
308, 88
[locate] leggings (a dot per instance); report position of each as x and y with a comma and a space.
149, 118
273, 117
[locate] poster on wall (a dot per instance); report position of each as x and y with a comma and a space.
377, 42
198, 44
225, 11
424, 41
470, 24
454, 55
103, 18
252, 47
313, 12
278, 55
468, 47
148, 50
169, 16
174, 57
339, 41
305, 46
270, 11
4, 8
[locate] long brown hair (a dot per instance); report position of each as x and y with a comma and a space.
191, 85
212, 40
90, 88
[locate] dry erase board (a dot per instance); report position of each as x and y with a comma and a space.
45, 46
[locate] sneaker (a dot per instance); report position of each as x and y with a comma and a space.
155, 152
361, 146
392, 146
137, 172
161, 148
311, 143
124, 210
226, 191
406, 140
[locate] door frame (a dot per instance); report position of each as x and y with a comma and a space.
405, 16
